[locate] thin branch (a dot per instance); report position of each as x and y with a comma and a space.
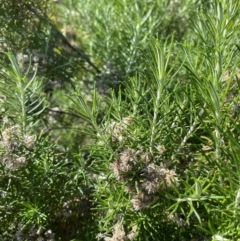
63, 38
50, 110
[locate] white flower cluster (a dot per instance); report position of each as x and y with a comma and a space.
119, 234
143, 178
117, 129
11, 141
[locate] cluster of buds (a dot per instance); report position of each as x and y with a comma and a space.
143, 179
12, 140
117, 129
119, 234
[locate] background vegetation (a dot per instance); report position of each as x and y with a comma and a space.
119, 120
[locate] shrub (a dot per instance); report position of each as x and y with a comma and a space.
161, 151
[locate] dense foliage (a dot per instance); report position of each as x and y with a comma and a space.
119, 120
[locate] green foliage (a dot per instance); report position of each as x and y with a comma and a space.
23, 97
115, 33
37, 191
34, 33
193, 117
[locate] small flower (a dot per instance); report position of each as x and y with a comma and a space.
10, 138
115, 167
5, 120
118, 234
177, 219
127, 120
29, 140
20, 161
125, 163
13, 162
116, 129
146, 157
153, 171
130, 187
151, 187
142, 200
100, 236
161, 149
132, 234
137, 203
171, 178
128, 155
